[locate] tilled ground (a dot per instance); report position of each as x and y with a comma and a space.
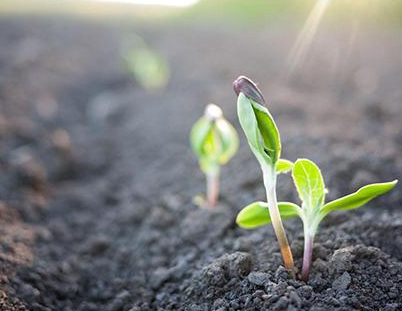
97, 178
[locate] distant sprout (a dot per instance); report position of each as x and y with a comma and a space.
149, 68
264, 140
214, 141
310, 186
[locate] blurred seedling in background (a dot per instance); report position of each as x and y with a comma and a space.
311, 189
149, 68
214, 141
264, 140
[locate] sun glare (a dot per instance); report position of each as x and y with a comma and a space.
303, 42
177, 3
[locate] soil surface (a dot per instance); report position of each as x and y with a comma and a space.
97, 178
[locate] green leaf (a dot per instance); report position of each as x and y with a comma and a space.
283, 166
198, 134
248, 121
260, 129
309, 183
358, 198
257, 214
268, 131
228, 138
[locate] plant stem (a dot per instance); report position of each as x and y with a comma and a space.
212, 189
270, 185
308, 254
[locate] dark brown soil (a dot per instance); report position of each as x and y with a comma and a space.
97, 177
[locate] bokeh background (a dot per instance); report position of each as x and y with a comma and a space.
97, 177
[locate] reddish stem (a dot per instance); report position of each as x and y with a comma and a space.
307, 257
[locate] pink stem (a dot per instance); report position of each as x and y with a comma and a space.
212, 189
307, 257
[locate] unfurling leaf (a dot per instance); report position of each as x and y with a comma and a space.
257, 214
269, 132
260, 129
309, 183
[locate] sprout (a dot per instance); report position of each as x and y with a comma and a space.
264, 140
311, 189
149, 68
214, 141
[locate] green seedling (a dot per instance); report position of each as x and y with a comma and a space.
214, 141
264, 140
149, 68
311, 189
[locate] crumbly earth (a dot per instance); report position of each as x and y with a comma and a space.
97, 178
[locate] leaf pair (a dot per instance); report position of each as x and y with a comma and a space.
260, 129
311, 189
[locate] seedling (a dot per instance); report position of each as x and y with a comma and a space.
311, 189
264, 140
214, 141
149, 68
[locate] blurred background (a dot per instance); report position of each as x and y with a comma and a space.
97, 99
130, 77
308, 29
74, 72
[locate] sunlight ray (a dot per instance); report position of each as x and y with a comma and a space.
303, 42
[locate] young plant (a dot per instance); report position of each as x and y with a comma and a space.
214, 141
149, 67
311, 189
264, 140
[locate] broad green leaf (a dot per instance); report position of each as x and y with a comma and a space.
358, 198
309, 183
257, 214
260, 129
283, 166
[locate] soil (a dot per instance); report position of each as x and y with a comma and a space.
97, 178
